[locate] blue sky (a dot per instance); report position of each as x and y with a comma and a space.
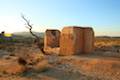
102, 15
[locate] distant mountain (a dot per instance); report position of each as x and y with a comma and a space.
27, 34
107, 36
103, 36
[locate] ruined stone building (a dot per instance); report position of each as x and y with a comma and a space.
52, 41
71, 40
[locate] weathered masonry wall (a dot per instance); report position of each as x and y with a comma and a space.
51, 41
88, 40
71, 40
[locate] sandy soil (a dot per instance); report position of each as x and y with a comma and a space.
73, 68
102, 64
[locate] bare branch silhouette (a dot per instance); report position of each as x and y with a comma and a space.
37, 38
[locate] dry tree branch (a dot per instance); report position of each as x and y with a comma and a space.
29, 26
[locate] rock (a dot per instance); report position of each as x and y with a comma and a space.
51, 51
3, 52
11, 66
33, 60
31, 56
41, 66
118, 50
51, 41
15, 78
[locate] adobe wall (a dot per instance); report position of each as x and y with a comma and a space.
51, 41
71, 39
76, 40
88, 34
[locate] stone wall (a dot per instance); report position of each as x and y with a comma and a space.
88, 46
51, 41
76, 40
71, 40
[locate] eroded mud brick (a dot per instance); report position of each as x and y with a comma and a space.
88, 40
76, 40
71, 40
51, 41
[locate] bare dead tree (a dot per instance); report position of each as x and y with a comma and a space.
30, 27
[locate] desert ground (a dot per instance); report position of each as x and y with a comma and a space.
102, 64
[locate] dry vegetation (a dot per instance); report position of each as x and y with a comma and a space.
102, 64
107, 47
107, 42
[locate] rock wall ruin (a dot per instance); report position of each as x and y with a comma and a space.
71, 40
88, 40
51, 41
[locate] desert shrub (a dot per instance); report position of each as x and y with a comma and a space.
2, 40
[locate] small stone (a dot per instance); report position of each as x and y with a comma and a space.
41, 66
